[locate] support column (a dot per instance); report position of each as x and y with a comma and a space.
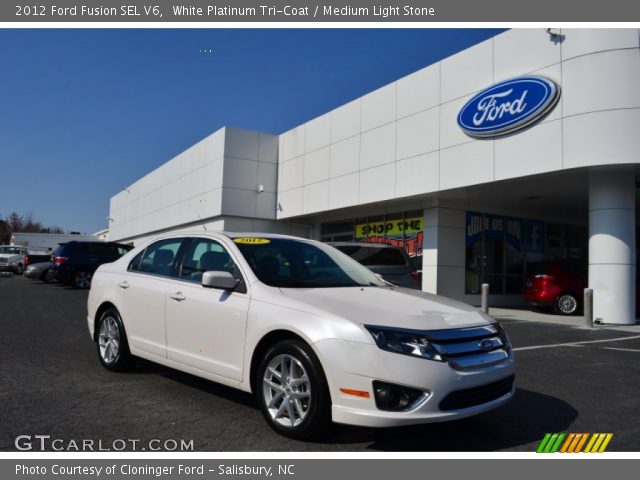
612, 251
443, 252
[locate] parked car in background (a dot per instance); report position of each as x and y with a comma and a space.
39, 271
557, 284
31, 258
392, 263
73, 263
312, 333
12, 258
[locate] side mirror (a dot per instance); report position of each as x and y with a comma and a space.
219, 279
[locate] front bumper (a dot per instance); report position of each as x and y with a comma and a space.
355, 366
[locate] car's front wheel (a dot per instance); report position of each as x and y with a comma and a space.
19, 269
112, 346
292, 390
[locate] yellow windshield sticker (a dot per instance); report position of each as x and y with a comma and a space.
251, 240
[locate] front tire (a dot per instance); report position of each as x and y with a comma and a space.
81, 279
292, 391
111, 342
19, 269
566, 304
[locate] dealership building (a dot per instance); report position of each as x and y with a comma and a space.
522, 148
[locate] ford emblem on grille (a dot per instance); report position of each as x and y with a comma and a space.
486, 344
508, 106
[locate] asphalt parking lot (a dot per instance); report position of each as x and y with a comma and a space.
53, 384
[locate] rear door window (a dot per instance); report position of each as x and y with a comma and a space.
159, 258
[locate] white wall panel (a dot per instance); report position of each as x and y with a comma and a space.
318, 133
289, 203
418, 133
315, 197
418, 91
467, 71
290, 174
535, 50
239, 173
535, 150
268, 151
316, 165
466, 164
239, 202
601, 81
343, 191
602, 138
379, 107
292, 143
450, 132
268, 176
581, 41
345, 157
378, 146
241, 143
377, 183
345, 121
417, 174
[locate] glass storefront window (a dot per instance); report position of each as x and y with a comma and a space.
402, 229
499, 250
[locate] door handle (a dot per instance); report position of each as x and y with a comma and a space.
124, 285
178, 296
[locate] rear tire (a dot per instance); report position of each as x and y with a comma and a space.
566, 304
292, 390
81, 279
111, 342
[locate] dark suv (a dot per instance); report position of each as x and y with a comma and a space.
73, 263
391, 263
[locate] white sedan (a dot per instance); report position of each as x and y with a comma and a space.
313, 334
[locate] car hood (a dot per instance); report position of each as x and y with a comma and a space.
394, 307
9, 255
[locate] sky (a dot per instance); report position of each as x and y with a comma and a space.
86, 112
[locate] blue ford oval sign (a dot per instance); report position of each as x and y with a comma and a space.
508, 106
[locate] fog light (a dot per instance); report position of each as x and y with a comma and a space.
396, 398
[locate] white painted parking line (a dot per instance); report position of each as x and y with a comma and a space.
574, 344
622, 349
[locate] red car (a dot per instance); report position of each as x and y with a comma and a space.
556, 283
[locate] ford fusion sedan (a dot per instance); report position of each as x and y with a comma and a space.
316, 336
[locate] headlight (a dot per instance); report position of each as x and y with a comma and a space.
405, 342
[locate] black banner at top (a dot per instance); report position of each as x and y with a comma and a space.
426, 11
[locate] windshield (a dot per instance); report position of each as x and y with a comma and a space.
11, 250
290, 263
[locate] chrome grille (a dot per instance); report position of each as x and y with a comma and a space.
474, 347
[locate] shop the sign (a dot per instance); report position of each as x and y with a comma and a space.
508, 106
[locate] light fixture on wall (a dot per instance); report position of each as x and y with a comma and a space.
260, 188
109, 219
555, 35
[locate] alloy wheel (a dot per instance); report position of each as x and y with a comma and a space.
567, 304
109, 339
83, 279
286, 390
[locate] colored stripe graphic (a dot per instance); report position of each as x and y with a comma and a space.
574, 442
581, 443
